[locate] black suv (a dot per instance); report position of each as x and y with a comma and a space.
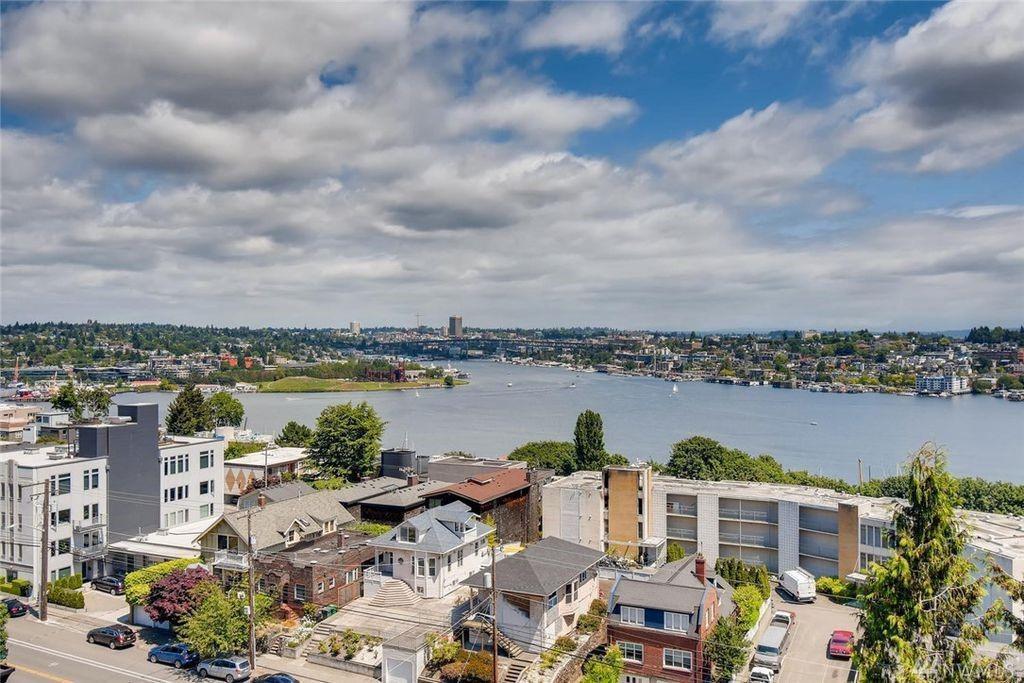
110, 584
114, 637
15, 607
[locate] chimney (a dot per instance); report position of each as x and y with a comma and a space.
411, 479
261, 500
698, 568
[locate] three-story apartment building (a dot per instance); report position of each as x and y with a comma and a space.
77, 515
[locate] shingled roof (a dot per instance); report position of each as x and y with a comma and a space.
434, 529
542, 568
270, 523
483, 489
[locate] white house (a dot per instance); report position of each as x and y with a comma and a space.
543, 590
435, 551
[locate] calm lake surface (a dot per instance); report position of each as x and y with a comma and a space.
642, 419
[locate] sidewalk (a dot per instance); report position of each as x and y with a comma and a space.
306, 671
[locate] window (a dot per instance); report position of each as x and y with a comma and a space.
205, 459
639, 506
640, 530
330, 582
91, 479
677, 659
299, 591
419, 566
432, 566
632, 615
205, 487
351, 575
674, 621
552, 599
449, 561
60, 484
206, 511
63, 546
319, 586
408, 534
572, 591
460, 557
632, 652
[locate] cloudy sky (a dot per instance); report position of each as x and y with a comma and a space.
732, 165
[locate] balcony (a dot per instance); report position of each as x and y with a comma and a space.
824, 552
682, 509
91, 553
756, 540
682, 534
94, 522
230, 559
820, 526
747, 515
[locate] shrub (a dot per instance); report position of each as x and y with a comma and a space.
66, 597
136, 583
478, 668
588, 623
549, 658
370, 528
441, 650
598, 608
565, 643
748, 601
454, 672
830, 586
19, 587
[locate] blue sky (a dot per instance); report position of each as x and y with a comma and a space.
682, 165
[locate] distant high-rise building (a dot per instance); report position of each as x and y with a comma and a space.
455, 326
355, 328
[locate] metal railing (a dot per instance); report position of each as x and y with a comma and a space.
230, 559
747, 515
684, 534
818, 550
682, 508
747, 539
91, 523
820, 526
91, 552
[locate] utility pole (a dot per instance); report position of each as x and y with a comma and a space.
250, 556
494, 613
860, 471
44, 545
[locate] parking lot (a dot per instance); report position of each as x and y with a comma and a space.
806, 659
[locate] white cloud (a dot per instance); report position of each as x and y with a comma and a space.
583, 27
760, 24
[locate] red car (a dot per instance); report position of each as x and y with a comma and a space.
840, 645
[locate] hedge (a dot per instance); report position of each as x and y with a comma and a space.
748, 601
20, 587
66, 597
136, 583
70, 582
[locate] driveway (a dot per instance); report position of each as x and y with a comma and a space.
806, 660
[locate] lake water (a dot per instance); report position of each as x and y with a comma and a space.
642, 419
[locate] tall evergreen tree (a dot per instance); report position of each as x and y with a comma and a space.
589, 441
917, 605
188, 413
294, 434
346, 441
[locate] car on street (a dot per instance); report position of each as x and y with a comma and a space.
178, 655
114, 636
840, 644
109, 584
275, 678
15, 607
760, 674
228, 669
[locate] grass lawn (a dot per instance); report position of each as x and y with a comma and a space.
302, 384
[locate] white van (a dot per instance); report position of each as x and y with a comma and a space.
800, 584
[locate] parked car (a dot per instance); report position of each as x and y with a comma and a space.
229, 669
275, 678
5, 672
840, 645
15, 607
114, 637
111, 584
774, 642
800, 584
178, 655
760, 674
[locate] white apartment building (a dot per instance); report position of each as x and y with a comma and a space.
77, 516
937, 384
191, 480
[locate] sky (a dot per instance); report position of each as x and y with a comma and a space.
677, 166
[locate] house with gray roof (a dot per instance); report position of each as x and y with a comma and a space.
435, 551
274, 493
543, 590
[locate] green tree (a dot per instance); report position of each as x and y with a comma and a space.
225, 409
346, 441
294, 434
917, 603
218, 622
188, 413
589, 441
68, 399
726, 649
96, 401
3, 632
697, 458
449, 381
674, 552
553, 455
607, 669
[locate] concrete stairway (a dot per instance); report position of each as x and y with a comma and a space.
320, 631
274, 647
394, 593
510, 646
516, 669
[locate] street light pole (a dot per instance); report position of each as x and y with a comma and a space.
44, 545
250, 556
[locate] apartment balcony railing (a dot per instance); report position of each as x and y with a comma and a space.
93, 522
230, 559
747, 539
682, 509
90, 553
819, 550
822, 526
747, 515
683, 534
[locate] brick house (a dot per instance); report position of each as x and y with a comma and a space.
327, 571
511, 497
660, 625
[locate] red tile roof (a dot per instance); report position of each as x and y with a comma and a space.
483, 489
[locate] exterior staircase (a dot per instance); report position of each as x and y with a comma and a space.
394, 593
511, 647
274, 647
320, 631
516, 668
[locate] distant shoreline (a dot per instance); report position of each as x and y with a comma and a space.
310, 385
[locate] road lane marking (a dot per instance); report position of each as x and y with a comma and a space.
42, 674
90, 662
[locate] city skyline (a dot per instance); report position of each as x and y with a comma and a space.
637, 166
